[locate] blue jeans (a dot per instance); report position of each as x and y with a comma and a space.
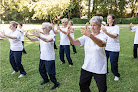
15, 60
114, 62
48, 67
74, 49
66, 49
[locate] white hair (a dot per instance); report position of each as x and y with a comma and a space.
47, 25
96, 19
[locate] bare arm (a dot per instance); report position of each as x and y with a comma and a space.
44, 39
7, 36
130, 26
99, 42
30, 38
73, 42
110, 35
61, 30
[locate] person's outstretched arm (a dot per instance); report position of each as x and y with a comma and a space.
30, 38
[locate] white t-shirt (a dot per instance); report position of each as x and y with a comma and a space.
52, 33
15, 44
63, 37
72, 30
136, 34
95, 58
113, 43
47, 48
22, 34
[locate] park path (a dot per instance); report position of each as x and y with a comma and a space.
5, 27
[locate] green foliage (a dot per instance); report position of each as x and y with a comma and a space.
80, 21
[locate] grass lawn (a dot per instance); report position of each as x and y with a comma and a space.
68, 77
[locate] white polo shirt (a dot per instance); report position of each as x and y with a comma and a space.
15, 44
95, 58
135, 29
47, 48
113, 43
22, 34
63, 37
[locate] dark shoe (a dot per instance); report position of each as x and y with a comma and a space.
55, 86
44, 82
74, 52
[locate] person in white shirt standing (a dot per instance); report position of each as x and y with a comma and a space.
113, 46
64, 42
72, 35
47, 55
134, 29
16, 48
95, 64
22, 37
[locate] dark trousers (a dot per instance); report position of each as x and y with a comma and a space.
74, 49
114, 62
23, 48
48, 67
55, 47
15, 60
135, 50
85, 81
66, 49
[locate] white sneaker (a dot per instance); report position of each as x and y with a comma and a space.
21, 76
70, 65
116, 78
13, 72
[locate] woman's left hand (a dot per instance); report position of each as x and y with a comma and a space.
86, 32
103, 29
36, 34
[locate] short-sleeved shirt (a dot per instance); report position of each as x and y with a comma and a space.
135, 29
47, 48
22, 34
113, 43
63, 37
95, 58
15, 44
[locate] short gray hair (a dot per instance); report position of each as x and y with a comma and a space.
96, 19
47, 25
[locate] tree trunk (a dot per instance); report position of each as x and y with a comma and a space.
89, 8
79, 10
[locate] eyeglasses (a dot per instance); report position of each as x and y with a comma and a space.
63, 22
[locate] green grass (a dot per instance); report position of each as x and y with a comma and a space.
68, 77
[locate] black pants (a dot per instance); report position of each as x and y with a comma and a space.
48, 67
23, 48
15, 58
135, 50
85, 81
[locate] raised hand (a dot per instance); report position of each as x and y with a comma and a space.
68, 31
26, 34
36, 34
131, 25
58, 28
3, 33
103, 29
86, 32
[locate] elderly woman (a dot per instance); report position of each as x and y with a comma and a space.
64, 42
47, 55
112, 47
16, 48
95, 63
